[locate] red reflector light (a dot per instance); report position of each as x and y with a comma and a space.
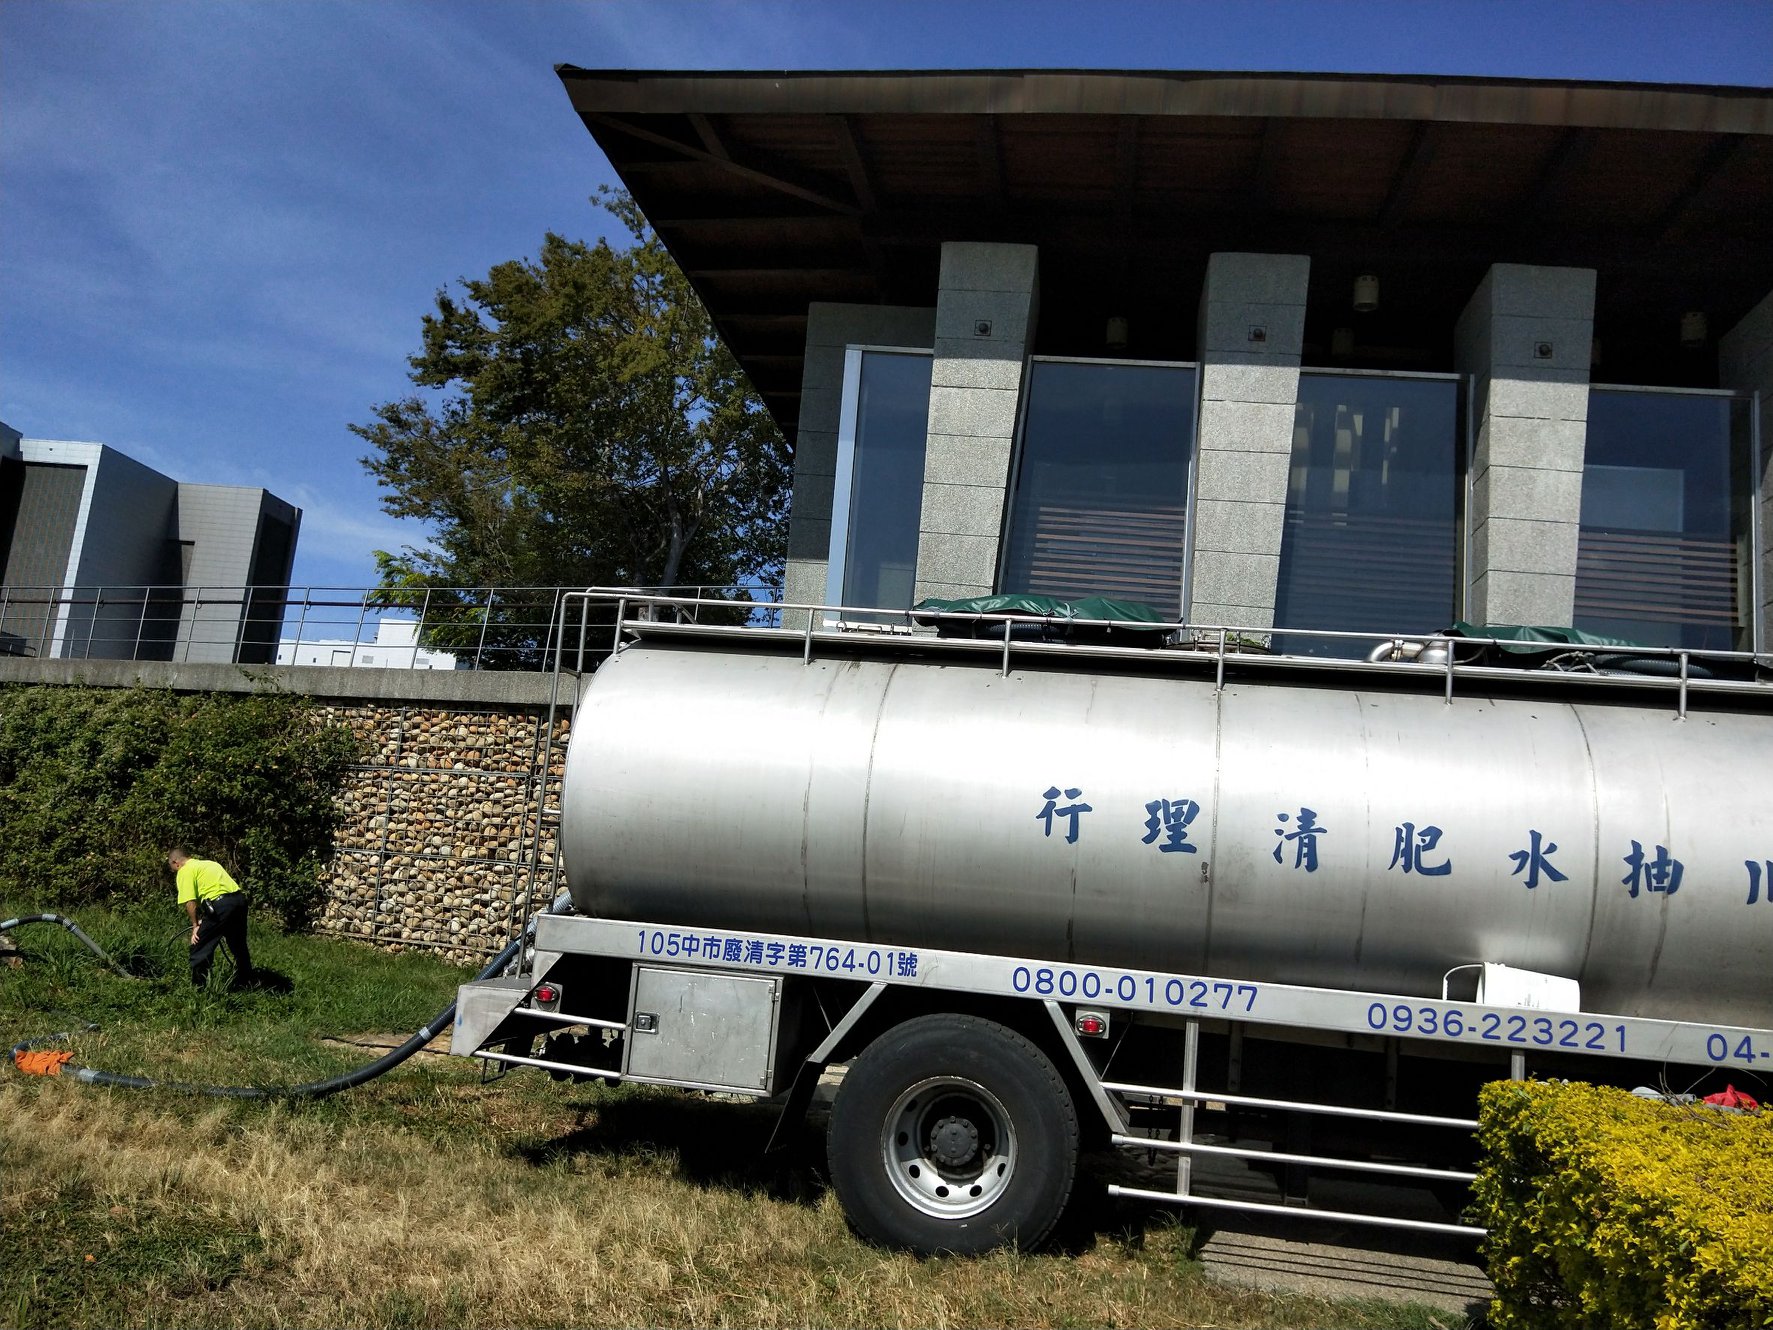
1091, 1024
546, 993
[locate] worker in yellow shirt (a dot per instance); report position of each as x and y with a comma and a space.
217, 907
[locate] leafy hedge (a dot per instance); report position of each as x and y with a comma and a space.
1606, 1210
95, 783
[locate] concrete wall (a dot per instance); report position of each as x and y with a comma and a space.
50, 500
44, 508
12, 484
986, 308
122, 548
1745, 362
831, 328
122, 537
221, 524
117, 540
1526, 337
280, 526
1252, 331
273, 557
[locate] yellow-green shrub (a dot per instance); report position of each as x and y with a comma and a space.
1606, 1210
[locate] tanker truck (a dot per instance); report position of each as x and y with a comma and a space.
1269, 918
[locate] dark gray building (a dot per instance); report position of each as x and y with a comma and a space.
101, 556
1267, 351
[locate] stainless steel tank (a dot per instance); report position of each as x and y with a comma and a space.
1302, 834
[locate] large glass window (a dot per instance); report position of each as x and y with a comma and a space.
1101, 499
1370, 532
1663, 556
879, 489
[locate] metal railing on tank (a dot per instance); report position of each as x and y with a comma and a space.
630, 614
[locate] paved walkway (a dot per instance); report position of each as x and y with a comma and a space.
1320, 1257
1344, 1265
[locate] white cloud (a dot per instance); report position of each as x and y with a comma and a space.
336, 526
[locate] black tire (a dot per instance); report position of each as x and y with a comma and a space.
953, 1134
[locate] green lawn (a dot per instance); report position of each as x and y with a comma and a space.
160, 1025
431, 1198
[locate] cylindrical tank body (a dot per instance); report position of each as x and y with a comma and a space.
1335, 836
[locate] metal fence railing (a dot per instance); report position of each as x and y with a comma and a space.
385, 627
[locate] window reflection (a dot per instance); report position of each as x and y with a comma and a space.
877, 519
1101, 497
1663, 553
1370, 530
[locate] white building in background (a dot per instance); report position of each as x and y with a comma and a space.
104, 557
396, 647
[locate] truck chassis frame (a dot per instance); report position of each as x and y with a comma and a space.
497, 1015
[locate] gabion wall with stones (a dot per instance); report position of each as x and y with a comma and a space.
441, 838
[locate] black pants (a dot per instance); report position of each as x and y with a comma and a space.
221, 920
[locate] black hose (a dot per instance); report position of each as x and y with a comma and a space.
7, 925
313, 1089
1664, 667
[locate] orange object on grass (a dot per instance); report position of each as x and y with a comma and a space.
41, 1064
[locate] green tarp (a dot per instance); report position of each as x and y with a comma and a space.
1061, 619
1048, 607
1538, 639
1531, 646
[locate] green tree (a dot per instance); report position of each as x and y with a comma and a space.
586, 428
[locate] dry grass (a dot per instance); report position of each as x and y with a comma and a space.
199, 1215
429, 1199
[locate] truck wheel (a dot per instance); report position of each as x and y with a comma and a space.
953, 1134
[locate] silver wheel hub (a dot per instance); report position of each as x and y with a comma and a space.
949, 1147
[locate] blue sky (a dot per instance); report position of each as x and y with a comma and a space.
222, 222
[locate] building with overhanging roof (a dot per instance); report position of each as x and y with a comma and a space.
1273, 351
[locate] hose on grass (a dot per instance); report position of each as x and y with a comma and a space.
7, 925
26, 1057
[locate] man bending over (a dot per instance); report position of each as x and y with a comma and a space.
217, 907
